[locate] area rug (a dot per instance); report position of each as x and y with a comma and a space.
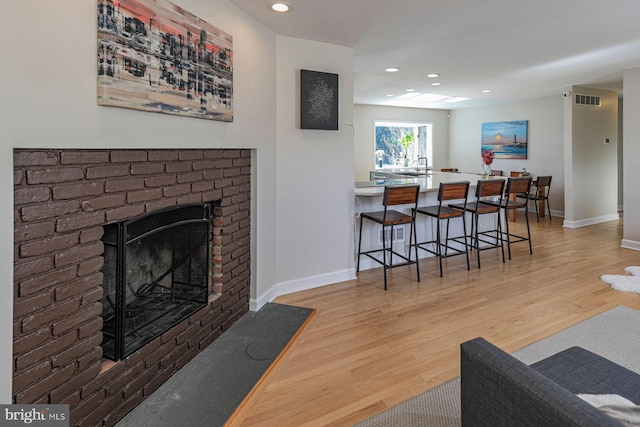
624, 283
208, 390
614, 334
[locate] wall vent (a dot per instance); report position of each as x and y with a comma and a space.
587, 100
398, 234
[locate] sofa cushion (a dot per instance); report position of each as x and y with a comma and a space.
498, 390
583, 372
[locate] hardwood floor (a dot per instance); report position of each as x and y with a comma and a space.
366, 349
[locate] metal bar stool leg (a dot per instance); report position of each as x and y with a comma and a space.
506, 214
499, 233
359, 246
414, 235
446, 240
526, 216
476, 236
439, 245
384, 255
466, 246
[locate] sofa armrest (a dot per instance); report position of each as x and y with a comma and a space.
499, 390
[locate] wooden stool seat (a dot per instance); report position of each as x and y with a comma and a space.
443, 212
391, 217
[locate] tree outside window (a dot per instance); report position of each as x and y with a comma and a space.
397, 141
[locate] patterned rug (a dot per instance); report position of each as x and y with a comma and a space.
613, 334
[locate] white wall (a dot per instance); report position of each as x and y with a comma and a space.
631, 171
590, 165
620, 153
302, 204
314, 240
545, 140
48, 100
364, 117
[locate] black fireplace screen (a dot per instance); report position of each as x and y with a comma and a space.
156, 270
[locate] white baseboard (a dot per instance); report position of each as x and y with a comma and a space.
590, 221
630, 244
559, 214
301, 284
270, 295
554, 213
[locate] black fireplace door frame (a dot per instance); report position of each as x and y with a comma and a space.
130, 231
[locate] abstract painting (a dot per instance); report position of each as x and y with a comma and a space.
507, 140
318, 100
155, 56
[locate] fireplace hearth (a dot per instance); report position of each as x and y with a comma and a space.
156, 272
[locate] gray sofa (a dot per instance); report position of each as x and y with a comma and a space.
499, 390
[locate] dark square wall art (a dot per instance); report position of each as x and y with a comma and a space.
318, 100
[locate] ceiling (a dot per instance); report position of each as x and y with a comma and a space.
517, 49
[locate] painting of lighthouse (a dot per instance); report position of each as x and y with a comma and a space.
507, 140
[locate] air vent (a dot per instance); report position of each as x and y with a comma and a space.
587, 100
398, 234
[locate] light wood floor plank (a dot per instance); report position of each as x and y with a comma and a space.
366, 349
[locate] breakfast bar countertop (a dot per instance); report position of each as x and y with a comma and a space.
429, 182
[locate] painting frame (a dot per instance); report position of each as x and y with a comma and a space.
155, 56
318, 100
496, 137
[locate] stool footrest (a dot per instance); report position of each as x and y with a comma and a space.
490, 244
407, 260
444, 248
516, 237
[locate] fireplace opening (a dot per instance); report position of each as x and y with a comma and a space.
156, 274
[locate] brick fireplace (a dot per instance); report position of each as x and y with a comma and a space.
62, 201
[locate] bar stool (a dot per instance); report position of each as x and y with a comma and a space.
388, 218
485, 189
543, 186
515, 186
447, 192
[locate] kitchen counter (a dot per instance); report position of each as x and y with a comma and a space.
386, 173
428, 182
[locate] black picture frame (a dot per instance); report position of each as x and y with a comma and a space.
318, 100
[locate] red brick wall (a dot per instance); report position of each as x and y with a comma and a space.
62, 199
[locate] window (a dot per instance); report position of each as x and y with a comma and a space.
389, 150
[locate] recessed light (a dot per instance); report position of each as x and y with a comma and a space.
486, 91
433, 75
389, 94
410, 90
280, 7
392, 70
436, 84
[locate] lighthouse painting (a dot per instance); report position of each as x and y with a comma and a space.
507, 140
